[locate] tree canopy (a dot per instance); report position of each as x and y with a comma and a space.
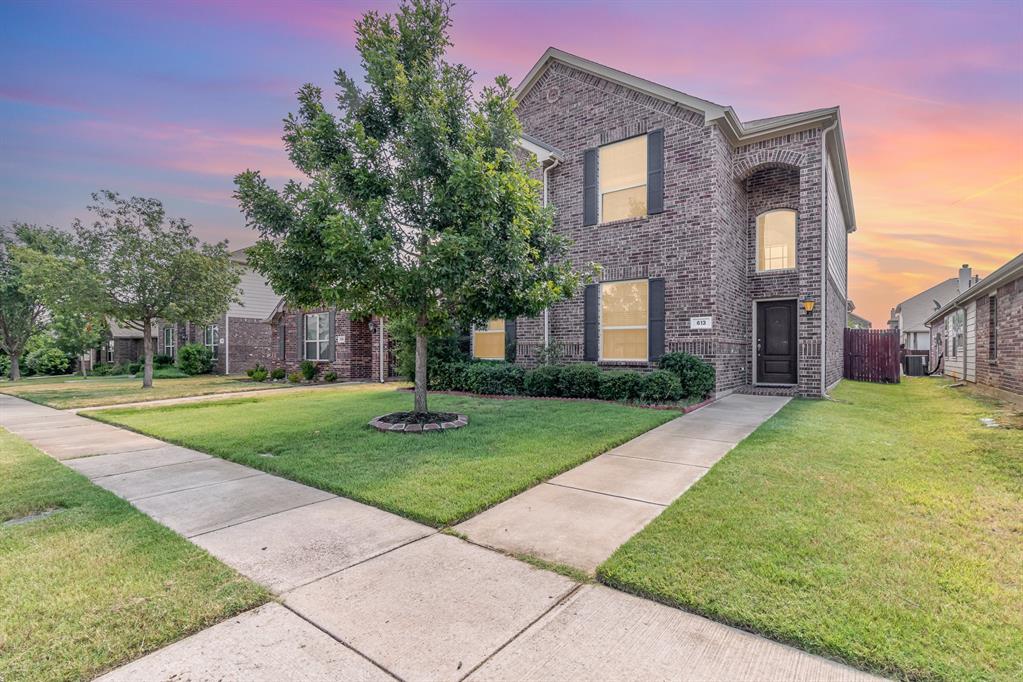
416, 206
144, 267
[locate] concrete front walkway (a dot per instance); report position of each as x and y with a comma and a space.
580, 517
367, 595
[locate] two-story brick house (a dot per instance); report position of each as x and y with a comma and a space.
240, 338
719, 237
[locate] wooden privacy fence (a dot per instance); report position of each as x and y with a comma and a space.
872, 355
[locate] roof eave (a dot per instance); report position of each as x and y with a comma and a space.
1008, 272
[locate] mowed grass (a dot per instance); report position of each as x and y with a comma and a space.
97, 583
884, 529
67, 392
322, 439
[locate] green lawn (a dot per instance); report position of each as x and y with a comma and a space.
66, 392
884, 528
322, 439
98, 583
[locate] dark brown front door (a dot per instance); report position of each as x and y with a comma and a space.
776, 342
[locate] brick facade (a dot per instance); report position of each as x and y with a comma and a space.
357, 344
1005, 370
703, 243
243, 342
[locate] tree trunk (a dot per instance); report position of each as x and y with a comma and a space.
147, 353
15, 367
81, 366
420, 390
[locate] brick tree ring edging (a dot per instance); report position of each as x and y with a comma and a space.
380, 425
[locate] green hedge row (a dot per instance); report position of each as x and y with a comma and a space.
678, 378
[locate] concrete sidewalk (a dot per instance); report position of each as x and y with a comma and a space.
582, 516
367, 595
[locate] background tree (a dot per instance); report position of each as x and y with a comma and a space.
22, 310
416, 208
77, 331
147, 268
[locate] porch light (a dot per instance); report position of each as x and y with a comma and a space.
808, 306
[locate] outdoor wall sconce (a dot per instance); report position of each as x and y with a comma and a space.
808, 306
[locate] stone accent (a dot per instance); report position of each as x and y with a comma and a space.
703, 243
380, 425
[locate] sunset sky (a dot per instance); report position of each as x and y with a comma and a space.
172, 100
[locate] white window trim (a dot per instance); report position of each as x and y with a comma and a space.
169, 348
214, 339
110, 350
601, 327
502, 332
795, 242
306, 340
601, 192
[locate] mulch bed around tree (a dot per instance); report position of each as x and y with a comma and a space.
419, 422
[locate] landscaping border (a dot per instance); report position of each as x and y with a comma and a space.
380, 425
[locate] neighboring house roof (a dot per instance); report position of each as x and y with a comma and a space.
118, 331
1010, 271
737, 131
854, 320
917, 309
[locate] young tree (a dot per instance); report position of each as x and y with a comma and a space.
416, 208
77, 331
22, 309
147, 268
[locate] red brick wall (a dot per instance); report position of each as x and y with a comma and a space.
353, 350
1005, 371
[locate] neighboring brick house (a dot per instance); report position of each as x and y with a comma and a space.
909, 316
983, 332
357, 350
716, 237
120, 345
240, 338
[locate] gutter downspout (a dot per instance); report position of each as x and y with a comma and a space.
547, 311
380, 353
824, 256
227, 344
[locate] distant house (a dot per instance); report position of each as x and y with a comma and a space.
120, 344
854, 321
982, 332
910, 316
240, 338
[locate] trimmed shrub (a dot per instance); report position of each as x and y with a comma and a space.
308, 369
295, 377
258, 373
195, 358
134, 367
447, 376
494, 378
5, 364
252, 370
162, 361
168, 373
278, 373
47, 361
330, 376
620, 385
580, 381
543, 382
661, 386
695, 374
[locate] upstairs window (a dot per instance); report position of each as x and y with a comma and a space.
488, 342
624, 320
623, 176
211, 339
776, 240
317, 336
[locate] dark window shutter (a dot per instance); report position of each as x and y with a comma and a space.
333, 338
510, 339
300, 333
655, 172
282, 330
590, 322
655, 322
590, 188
